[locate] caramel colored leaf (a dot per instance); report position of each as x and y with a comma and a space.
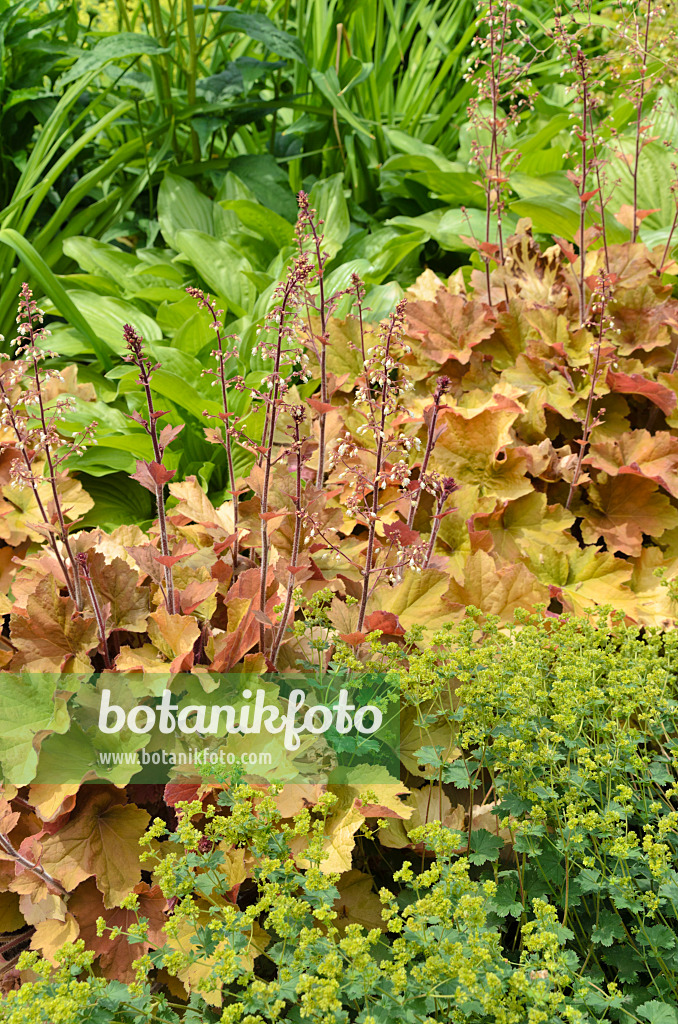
116, 584
541, 387
343, 351
496, 590
450, 326
639, 453
101, 839
522, 525
193, 503
116, 955
623, 510
174, 635
637, 384
50, 936
18, 507
358, 903
52, 800
51, 632
11, 917
473, 449
339, 841
417, 599
43, 906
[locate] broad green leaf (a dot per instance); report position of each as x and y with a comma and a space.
117, 501
101, 258
182, 206
262, 174
327, 199
106, 317
261, 28
115, 47
221, 267
266, 223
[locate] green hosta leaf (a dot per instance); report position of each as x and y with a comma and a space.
327, 199
551, 215
267, 181
182, 206
265, 222
115, 47
450, 228
106, 316
117, 501
101, 258
222, 268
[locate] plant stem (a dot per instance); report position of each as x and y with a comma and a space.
589, 405
28, 865
36, 494
101, 625
227, 437
77, 591
324, 391
441, 387
582, 189
295, 546
269, 434
373, 515
134, 345
639, 118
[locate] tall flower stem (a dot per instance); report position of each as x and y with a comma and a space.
297, 415
269, 434
77, 590
98, 614
394, 325
306, 219
442, 386
135, 346
221, 356
33, 483
588, 418
639, 119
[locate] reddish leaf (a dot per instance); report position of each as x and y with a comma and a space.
387, 622
353, 639
117, 955
195, 593
450, 326
637, 384
565, 248
400, 532
176, 791
169, 434
321, 407
152, 475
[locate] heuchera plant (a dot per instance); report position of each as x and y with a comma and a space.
459, 453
